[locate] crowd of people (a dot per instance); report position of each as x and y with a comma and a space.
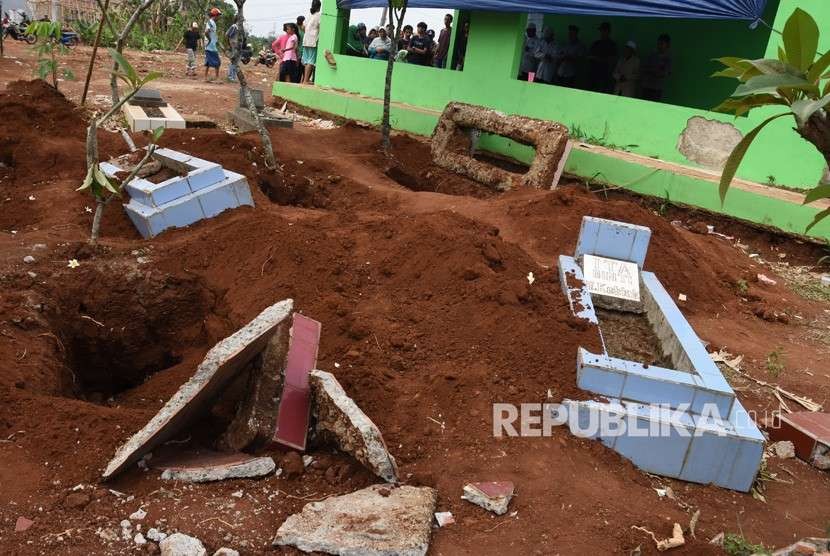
602, 67
415, 46
295, 49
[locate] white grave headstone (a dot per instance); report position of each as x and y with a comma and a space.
611, 277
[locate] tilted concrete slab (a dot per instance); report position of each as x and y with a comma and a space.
612, 239
340, 420
221, 364
295, 403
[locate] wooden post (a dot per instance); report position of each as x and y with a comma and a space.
94, 51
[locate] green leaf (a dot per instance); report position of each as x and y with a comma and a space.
801, 39
782, 55
732, 62
152, 76
741, 105
769, 84
738, 154
805, 108
826, 90
87, 180
729, 72
774, 67
157, 133
102, 180
816, 193
122, 62
819, 217
819, 67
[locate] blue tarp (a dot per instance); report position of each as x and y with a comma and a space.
751, 10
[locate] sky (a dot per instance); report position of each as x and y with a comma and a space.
266, 16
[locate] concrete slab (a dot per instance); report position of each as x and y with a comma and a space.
244, 121
375, 521
293, 416
493, 496
612, 239
149, 221
221, 364
341, 421
205, 466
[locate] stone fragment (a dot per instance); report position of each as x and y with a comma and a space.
292, 465
204, 467
139, 539
221, 364
226, 552
180, 544
375, 521
809, 431
76, 500
23, 524
548, 138
783, 449
28, 259
444, 518
155, 535
492, 496
766, 280
138, 515
342, 421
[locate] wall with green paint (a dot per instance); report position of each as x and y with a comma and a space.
695, 43
651, 129
494, 47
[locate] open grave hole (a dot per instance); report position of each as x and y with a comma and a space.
118, 330
630, 336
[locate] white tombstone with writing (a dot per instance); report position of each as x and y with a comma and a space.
612, 278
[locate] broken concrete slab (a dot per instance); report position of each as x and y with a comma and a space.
375, 521
198, 121
492, 496
256, 417
180, 544
221, 364
293, 416
548, 138
340, 420
205, 467
809, 431
244, 120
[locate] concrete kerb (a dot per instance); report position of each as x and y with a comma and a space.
548, 138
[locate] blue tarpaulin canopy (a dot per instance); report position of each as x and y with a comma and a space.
751, 10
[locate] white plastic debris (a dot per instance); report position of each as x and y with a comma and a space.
73, 263
682, 297
238, 494
307, 460
138, 515
766, 280
530, 278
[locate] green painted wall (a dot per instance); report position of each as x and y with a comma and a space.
695, 43
650, 129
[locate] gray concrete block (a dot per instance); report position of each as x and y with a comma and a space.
612, 239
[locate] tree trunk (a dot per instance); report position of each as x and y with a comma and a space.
241, 39
119, 45
817, 132
385, 126
96, 221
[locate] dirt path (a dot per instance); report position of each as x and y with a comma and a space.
428, 319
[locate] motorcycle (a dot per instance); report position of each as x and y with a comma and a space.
70, 39
17, 31
267, 57
246, 53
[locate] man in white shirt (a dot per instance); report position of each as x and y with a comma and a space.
529, 62
312, 33
381, 46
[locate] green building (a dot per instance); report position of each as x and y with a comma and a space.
629, 142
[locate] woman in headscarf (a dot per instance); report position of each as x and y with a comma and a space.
355, 45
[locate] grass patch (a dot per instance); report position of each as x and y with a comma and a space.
736, 545
775, 362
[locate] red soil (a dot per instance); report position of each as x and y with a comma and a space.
428, 319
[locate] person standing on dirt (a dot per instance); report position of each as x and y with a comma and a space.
288, 55
191, 43
444, 43
232, 36
312, 33
212, 44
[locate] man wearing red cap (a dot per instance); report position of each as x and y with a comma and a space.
212, 44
